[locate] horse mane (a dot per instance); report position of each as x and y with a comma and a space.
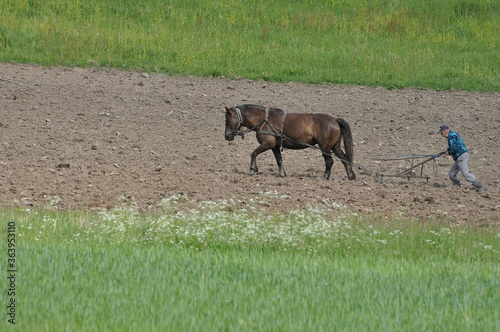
244, 107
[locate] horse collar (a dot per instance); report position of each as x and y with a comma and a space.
240, 118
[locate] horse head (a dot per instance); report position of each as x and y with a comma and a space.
233, 123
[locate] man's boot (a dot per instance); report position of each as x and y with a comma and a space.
456, 183
479, 185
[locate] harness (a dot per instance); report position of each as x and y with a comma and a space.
259, 127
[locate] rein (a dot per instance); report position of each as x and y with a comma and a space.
389, 157
279, 133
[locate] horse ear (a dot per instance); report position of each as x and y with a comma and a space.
227, 109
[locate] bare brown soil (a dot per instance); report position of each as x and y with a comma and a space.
87, 138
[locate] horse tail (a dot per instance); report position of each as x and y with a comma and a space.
345, 131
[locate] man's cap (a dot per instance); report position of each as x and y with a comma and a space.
442, 128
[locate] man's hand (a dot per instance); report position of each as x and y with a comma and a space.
434, 156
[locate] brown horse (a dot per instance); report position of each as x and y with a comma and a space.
277, 129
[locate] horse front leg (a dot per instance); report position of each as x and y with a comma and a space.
279, 161
255, 153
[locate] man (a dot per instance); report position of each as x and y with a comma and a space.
457, 149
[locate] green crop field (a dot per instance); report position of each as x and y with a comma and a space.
227, 265
391, 43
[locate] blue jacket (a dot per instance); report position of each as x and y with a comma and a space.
456, 146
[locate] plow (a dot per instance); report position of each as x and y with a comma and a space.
417, 163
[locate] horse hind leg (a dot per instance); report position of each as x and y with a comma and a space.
328, 163
279, 161
345, 161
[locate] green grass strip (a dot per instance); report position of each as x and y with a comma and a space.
430, 44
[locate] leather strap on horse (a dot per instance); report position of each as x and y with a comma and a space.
240, 123
283, 128
266, 119
274, 131
240, 118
